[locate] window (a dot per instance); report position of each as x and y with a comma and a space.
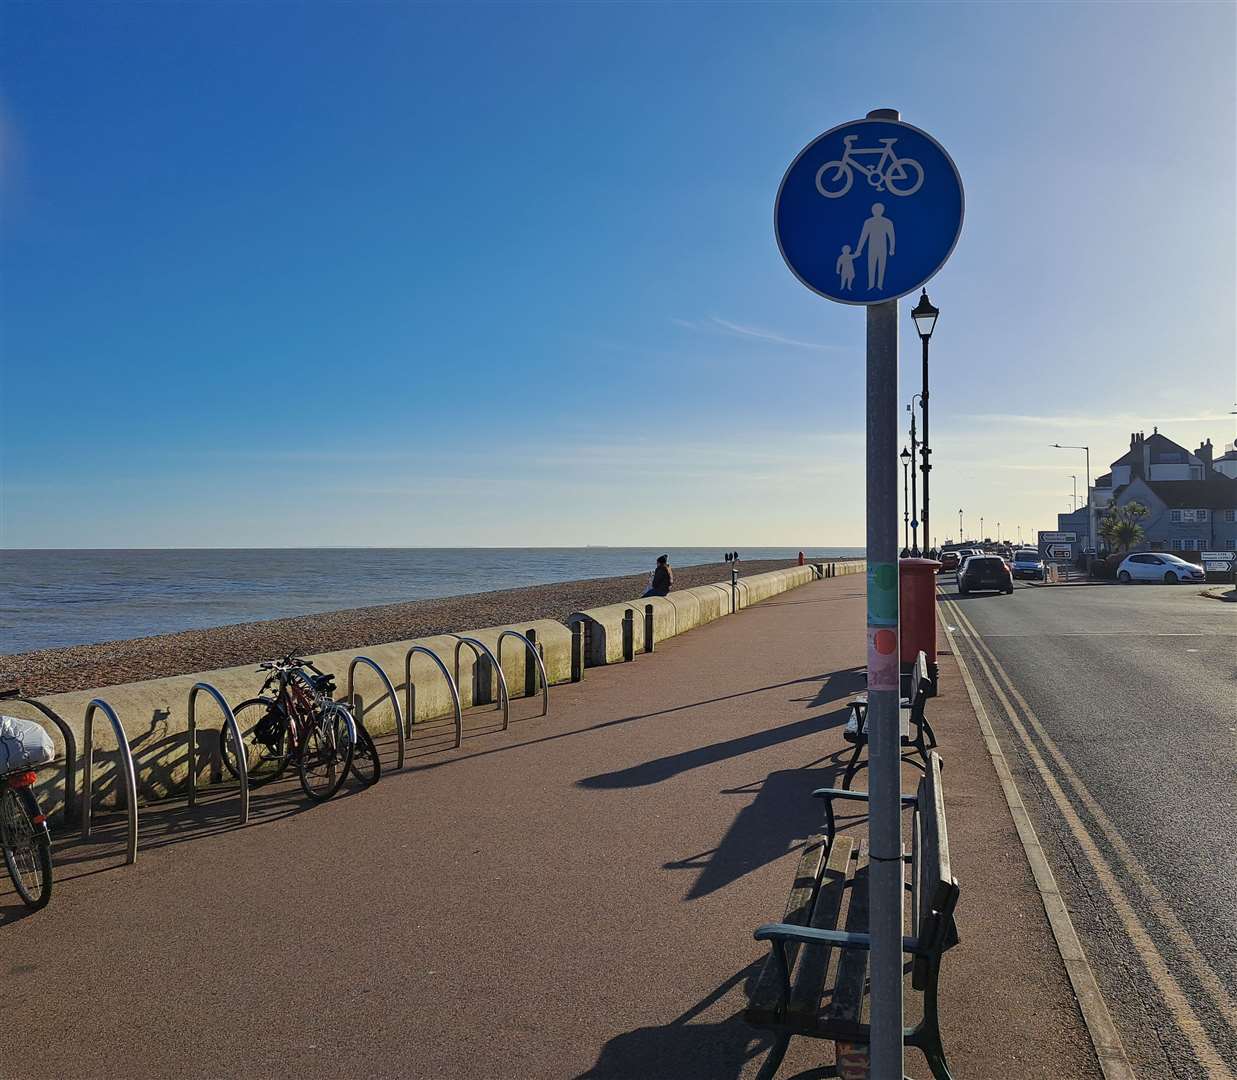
1200, 515
1187, 543
1230, 515
1174, 515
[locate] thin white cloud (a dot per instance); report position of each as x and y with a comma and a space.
1118, 420
756, 333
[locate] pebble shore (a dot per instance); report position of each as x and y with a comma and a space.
49, 671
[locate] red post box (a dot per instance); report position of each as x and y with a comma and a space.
917, 611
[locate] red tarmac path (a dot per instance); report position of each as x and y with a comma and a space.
572, 898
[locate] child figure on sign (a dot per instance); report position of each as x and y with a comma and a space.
846, 267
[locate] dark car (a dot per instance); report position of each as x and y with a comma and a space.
949, 561
981, 572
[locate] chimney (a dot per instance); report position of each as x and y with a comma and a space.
1142, 441
1204, 451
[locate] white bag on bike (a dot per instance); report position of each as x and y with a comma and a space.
23, 745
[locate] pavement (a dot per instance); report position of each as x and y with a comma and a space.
1118, 714
574, 897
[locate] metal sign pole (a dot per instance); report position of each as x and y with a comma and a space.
839, 213
885, 767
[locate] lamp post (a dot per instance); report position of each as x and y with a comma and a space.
914, 495
961, 534
1090, 512
981, 529
925, 315
1074, 496
905, 458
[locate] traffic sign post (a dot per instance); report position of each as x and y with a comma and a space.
867, 213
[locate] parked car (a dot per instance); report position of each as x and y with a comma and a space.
1158, 566
949, 561
1028, 564
985, 572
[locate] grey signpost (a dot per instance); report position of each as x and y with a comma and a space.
887, 187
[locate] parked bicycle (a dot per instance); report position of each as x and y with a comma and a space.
24, 837
301, 723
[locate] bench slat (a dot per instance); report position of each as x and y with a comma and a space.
809, 980
766, 1000
846, 1006
937, 889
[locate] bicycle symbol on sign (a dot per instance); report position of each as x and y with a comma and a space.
898, 176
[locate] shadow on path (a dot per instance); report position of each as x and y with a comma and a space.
780, 819
838, 685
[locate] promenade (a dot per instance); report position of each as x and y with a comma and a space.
572, 898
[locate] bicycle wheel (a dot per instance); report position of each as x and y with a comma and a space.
904, 176
264, 728
325, 753
365, 764
837, 184
27, 848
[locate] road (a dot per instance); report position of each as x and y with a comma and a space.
1117, 710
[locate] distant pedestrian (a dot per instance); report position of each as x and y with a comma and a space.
662, 580
801, 558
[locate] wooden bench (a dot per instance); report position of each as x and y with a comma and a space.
915, 730
814, 981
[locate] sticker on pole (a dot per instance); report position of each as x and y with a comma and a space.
868, 211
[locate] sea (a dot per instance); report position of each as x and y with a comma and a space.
57, 598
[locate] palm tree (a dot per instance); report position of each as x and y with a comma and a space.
1121, 529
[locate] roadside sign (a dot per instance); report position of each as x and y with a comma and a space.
868, 211
1061, 552
1058, 537
1217, 566
1220, 556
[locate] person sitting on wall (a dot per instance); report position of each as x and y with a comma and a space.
663, 578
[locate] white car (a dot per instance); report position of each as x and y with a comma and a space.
1158, 566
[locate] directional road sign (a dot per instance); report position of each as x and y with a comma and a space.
868, 211
1061, 552
1057, 537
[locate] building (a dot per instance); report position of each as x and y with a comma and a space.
1191, 499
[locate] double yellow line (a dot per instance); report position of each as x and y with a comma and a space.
1057, 775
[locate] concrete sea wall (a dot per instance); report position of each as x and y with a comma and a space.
154, 712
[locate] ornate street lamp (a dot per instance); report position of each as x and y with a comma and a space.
925, 315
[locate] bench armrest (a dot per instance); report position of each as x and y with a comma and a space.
811, 935
829, 794
778, 934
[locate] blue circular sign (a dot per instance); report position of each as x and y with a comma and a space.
868, 211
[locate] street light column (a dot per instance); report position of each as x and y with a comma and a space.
914, 493
925, 316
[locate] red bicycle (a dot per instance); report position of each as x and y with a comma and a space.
302, 723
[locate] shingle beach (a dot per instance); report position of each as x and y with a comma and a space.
81, 667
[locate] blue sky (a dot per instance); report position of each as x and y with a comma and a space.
304, 274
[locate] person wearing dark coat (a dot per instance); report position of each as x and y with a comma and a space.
663, 578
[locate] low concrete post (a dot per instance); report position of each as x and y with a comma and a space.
577, 651
629, 636
648, 628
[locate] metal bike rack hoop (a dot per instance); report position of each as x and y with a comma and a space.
455, 693
242, 756
399, 718
71, 807
545, 681
126, 762
479, 648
